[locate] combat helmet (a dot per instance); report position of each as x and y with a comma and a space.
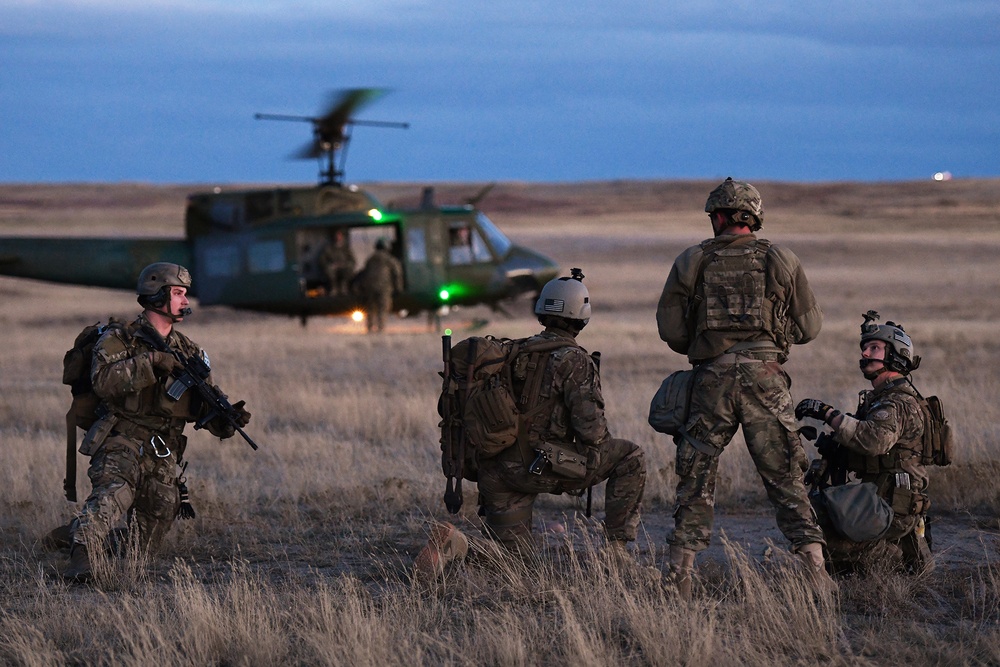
158, 275
899, 356
737, 196
565, 297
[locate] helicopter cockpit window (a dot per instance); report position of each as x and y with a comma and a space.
501, 244
465, 245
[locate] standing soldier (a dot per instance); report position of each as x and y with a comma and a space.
136, 446
561, 388
338, 264
382, 275
734, 304
882, 444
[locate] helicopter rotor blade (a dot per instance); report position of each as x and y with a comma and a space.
340, 109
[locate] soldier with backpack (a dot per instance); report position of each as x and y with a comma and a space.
137, 442
735, 304
559, 443
886, 445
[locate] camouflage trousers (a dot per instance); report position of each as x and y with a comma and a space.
377, 306
129, 482
507, 493
753, 394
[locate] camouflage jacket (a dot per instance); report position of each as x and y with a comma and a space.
886, 434
792, 315
382, 273
572, 379
124, 379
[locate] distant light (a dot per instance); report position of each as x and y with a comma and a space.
444, 295
358, 316
942, 176
375, 214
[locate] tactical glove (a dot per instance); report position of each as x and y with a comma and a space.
816, 409
163, 363
243, 415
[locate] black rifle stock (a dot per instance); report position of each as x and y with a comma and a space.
596, 356
452, 436
831, 468
194, 375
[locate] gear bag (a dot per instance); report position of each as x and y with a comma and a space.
857, 511
937, 439
478, 398
83, 410
668, 411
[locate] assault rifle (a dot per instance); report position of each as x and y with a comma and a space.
194, 374
453, 441
831, 468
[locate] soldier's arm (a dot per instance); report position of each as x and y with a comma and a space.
581, 389
874, 435
116, 370
675, 301
804, 314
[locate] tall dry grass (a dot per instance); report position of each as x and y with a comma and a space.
300, 552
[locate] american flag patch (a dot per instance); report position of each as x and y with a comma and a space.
554, 305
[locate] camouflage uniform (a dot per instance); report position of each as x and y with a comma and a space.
508, 490
739, 380
135, 449
382, 275
886, 438
338, 263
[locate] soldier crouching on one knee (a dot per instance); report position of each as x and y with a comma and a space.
136, 447
881, 443
563, 390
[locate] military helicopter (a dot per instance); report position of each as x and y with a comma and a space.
264, 249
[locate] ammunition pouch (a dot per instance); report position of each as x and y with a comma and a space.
907, 502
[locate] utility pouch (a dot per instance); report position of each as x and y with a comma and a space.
97, 434
906, 502
668, 411
563, 461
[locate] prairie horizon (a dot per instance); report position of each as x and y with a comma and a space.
325, 518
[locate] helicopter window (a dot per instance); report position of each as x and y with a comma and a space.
501, 244
459, 243
480, 251
222, 261
416, 246
266, 257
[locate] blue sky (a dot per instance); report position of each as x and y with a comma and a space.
165, 92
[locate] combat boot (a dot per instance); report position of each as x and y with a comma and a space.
682, 570
78, 570
811, 556
445, 544
60, 537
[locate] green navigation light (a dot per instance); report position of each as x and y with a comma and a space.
375, 215
444, 295
447, 332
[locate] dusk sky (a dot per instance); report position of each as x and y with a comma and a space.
165, 91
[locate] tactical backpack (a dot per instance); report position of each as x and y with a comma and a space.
937, 438
83, 411
481, 415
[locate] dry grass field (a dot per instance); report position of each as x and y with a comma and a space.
301, 551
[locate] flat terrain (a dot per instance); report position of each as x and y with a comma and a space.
347, 478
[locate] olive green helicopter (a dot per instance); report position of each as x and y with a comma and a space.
283, 249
